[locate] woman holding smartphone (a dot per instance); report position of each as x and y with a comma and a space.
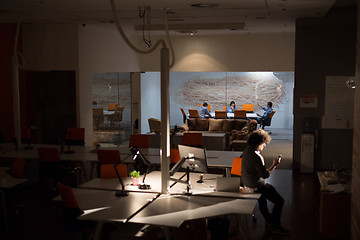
253, 175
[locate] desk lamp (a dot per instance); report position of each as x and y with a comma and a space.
140, 160
122, 192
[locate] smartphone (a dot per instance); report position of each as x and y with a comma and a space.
278, 159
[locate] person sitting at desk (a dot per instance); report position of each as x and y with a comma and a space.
231, 107
268, 109
204, 111
253, 175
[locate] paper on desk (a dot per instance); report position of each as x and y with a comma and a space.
336, 188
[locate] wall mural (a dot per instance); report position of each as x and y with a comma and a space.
252, 87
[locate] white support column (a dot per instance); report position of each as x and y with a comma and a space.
16, 100
165, 119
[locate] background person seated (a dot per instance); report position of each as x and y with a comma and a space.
204, 111
231, 107
268, 109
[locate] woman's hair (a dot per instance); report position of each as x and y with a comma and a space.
258, 137
205, 104
232, 102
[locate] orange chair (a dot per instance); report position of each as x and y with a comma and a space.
184, 114
75, 136
239, 113
108, 171
68, 198
208, 107
18, 167
224, 109
113, 106
192, 139
174, 155
194, 113
248, 107
236, 166
267, 121
139, 140
221, 114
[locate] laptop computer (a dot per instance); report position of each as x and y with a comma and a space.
227, 184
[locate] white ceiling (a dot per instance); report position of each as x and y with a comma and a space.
246, 16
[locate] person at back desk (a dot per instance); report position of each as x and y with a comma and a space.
253, 175
268, 109
231, 107
204, 111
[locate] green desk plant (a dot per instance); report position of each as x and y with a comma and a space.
135, 177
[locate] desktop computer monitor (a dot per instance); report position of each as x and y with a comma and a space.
191, 158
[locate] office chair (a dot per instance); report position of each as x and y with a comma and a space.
267, 121
208, 107
236, 166
193, 113
108, 171
248, 107
98, 117
240, 113
184, 114
113, 106
75, 136
71, 211
139, 140
18, 167
221, 114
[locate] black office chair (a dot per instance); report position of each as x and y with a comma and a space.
267, 121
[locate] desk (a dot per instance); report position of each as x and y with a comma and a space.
231, 115
204, 189
167, 210
7, 182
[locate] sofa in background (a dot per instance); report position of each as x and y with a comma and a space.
234, 129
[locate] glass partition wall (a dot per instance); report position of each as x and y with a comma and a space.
111, 94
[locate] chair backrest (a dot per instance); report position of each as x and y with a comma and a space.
208, 107
108, 171
107, 156
49, 154
139, 140
248, 107
267, 121
18, 167
182, 111
113, 106
68, 197
174, 155
184, 114
236, 166
192, 139
224, 108
75, 136
272, 114
194, 113
239, 113
220, 114
98, 113
154, 125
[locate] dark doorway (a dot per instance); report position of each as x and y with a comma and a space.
49, 103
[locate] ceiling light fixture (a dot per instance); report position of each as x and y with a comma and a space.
204, 5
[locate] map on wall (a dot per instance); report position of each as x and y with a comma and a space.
339, 103
218, 89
